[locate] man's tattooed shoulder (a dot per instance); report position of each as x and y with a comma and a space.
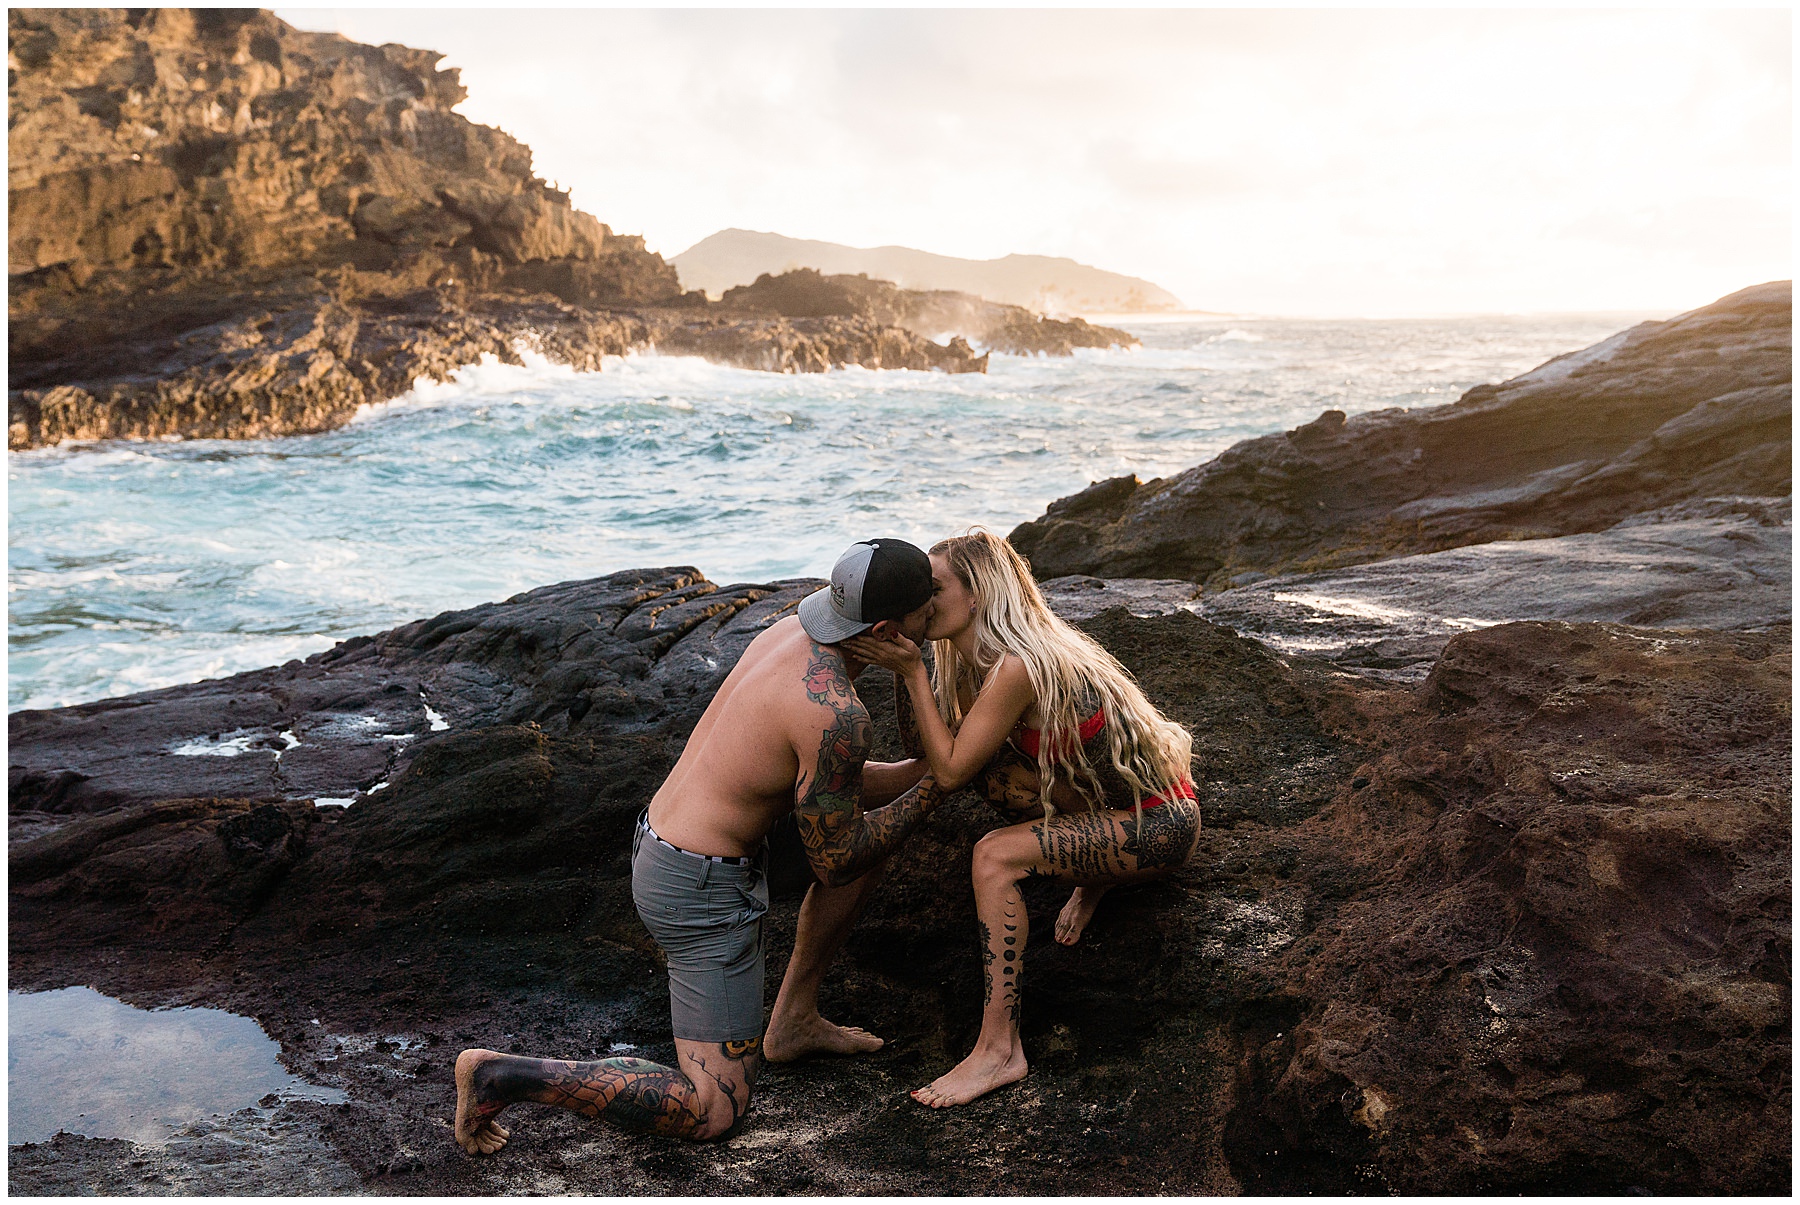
828, 678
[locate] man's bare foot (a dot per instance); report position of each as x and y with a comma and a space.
975, 1076
1077, 913
788, 1040
476, 1130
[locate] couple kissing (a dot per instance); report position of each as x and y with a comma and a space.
1091, 781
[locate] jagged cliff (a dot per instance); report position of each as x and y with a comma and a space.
222, 226
164, 151
225, 226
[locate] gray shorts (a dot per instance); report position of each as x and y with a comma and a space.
707, 915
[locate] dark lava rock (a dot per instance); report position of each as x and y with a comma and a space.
619, 651
1559, 957
1694, 407
1525, 928
1725, 564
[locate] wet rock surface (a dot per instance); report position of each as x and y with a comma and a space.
1523, 927
1719, 563
625, 650
1664, 413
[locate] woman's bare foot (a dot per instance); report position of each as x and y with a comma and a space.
1078, 912
788, 1040
476, 1130
975, 1076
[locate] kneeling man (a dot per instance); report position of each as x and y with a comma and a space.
786, 732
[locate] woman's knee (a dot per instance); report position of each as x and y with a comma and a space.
997, 858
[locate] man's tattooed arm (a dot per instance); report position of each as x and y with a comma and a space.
842, 841
910, 741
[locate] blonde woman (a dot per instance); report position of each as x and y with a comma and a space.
1094, 779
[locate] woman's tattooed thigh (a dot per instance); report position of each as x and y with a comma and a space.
1079, 846
1162, 839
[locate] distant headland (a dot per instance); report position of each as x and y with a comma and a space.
1050, 284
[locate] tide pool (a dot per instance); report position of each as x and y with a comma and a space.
89, 1064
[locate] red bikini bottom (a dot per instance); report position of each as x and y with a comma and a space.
1183, 790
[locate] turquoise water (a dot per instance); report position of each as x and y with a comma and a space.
83, 1062
138, 565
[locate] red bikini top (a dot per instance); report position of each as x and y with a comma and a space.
1031, 739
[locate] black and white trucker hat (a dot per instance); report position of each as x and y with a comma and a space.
872, 581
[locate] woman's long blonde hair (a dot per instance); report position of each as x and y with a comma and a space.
1069, 672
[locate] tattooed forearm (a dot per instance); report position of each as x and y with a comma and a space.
842, 841
910, 741
842, 847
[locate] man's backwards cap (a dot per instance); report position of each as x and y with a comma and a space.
872, 581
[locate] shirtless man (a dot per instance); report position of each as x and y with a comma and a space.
786, 732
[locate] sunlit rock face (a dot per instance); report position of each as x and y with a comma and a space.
175, 142
1694, 407
222, 226
225, 227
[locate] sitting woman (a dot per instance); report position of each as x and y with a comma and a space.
1094, 780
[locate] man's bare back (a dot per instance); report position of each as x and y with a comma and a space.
785, 732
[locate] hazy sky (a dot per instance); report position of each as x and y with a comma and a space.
1337, 162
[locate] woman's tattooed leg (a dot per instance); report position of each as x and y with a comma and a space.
998, 1058
640, 1095
1094, 850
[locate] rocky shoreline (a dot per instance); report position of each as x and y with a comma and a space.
224, 227
1521, 928
1662, 414
1493, 894
1491, 705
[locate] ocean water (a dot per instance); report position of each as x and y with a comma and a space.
139, 565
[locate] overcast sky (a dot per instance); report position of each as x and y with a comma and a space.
1335, 162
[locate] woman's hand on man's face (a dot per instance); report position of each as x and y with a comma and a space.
898, 654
